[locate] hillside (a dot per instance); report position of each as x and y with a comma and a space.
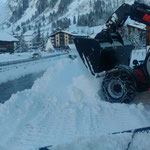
49, 14
3, 10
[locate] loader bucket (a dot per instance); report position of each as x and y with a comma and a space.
103, 56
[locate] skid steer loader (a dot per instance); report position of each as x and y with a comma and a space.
108, 52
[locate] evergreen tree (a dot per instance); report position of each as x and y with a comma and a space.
18, 28
21, 46
74, 20
25, 4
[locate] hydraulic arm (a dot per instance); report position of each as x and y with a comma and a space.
138, 12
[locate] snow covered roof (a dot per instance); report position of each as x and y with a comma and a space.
138, 25
28, 38
29, 33
7, 37
135, 24
70, 33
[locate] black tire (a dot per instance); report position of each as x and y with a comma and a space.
118, 86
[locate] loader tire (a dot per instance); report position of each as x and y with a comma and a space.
118, 86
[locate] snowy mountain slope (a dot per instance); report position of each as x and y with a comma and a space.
33, 13
63, 107
4, 11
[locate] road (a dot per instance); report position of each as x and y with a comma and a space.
26, 82
12, 87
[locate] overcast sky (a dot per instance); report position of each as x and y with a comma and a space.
3, 0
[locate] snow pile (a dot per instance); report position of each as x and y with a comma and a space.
64, 107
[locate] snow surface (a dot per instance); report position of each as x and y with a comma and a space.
15, 56
6, 57
63, 109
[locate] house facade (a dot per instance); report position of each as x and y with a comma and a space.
136, 27
7, 43
137, 34
28, 37
62, 39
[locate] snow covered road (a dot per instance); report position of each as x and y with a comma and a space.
17, 69
14, 86
63, 108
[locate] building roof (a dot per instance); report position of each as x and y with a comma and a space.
7, 37
28, 38
29, 33
70, 33
137, 25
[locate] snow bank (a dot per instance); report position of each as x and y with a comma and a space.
64, 107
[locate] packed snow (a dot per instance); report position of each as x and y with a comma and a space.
64, 109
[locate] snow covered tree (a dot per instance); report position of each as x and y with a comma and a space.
21, 46
49, 46
74, 20
18, 28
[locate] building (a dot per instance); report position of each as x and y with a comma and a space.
136, 32
135, 26
28, 37
7, 43
62, 39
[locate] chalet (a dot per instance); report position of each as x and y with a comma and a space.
62, 39
7, 43
137, 33
28, 37
133, 27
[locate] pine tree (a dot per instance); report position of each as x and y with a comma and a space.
21, 46
74, 20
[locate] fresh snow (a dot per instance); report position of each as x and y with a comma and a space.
64, 109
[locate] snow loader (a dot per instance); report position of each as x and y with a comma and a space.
109, 53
